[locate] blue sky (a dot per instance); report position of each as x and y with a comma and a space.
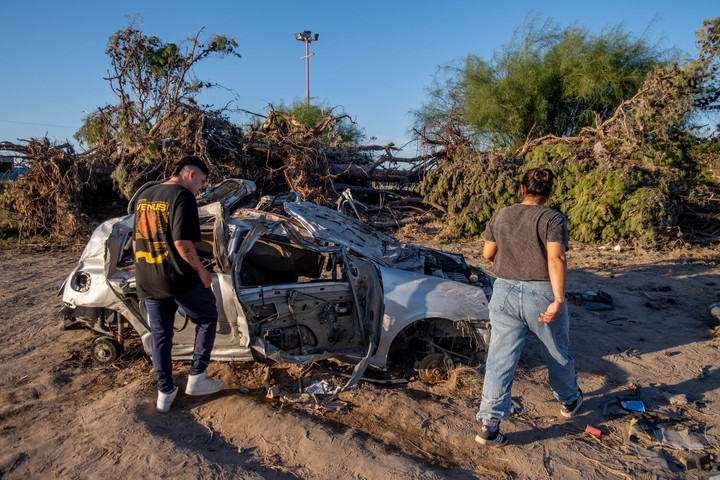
374, 59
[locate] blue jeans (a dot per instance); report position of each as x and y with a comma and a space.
515, 307
199, 305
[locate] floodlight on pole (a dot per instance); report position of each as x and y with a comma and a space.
307, 37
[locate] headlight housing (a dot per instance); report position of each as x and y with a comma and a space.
80, 282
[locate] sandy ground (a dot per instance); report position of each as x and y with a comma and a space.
61, 416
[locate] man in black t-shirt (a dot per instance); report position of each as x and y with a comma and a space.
169, 274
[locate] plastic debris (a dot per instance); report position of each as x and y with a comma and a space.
590, 296
597, 307
318, 388
594, 301
634, 405
603, 297
713, 315
676, 399
652, 459
680, 439
608, 405
594, 431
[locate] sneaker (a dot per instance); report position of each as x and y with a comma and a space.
569, 409
491, 438
200, 384
164, 400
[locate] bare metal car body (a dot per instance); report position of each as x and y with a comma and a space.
307, 285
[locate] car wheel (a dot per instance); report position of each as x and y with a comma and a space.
433, 347
105, 350
435, 367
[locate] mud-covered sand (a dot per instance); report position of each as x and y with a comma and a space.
61, 416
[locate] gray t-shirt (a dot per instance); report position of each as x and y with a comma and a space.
521, 233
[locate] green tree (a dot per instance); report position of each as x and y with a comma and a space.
156, 89
548, 80
641, 176
344, 132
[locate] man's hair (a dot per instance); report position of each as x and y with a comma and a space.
189, 161
538, 181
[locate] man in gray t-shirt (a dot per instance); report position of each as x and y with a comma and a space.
520, 256
526, 243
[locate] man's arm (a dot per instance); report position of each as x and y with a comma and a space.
489, 250
557, 268
187, 251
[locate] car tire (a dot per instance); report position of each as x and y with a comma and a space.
105, 350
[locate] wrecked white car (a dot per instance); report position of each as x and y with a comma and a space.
307, 285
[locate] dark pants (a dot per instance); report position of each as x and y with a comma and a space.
199, 305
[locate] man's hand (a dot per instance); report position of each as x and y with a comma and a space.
205, 277
552, 312
557, 268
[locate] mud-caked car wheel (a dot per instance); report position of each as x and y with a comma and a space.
433, 347
105, 350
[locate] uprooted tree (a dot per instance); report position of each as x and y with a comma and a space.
637, 172
155, 88
157, 119
643, 174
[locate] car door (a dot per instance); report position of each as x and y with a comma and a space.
304, 301
231, 340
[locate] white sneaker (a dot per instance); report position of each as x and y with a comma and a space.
200, 384
164, 400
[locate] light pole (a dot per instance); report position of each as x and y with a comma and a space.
306, 37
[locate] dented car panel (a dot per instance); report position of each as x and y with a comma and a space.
340, 229
314, 285
412, 297
336, 227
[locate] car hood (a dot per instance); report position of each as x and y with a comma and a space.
336, 227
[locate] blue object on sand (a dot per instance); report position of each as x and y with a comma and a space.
634, 405
597, 306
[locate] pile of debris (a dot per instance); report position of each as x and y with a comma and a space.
661, 429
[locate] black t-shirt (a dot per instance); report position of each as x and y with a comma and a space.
164, 214
521, 233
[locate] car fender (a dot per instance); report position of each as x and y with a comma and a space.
410, 297
93, 262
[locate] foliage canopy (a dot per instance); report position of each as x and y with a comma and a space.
548, 80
